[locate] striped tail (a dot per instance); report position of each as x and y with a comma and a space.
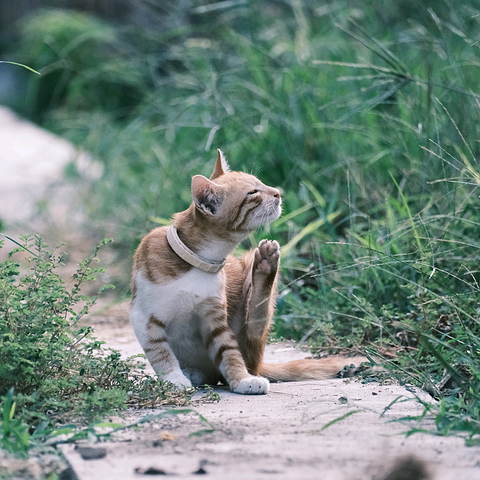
308, 369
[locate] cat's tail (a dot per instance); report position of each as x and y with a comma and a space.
309, 369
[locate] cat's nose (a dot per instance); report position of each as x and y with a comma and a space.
276, 194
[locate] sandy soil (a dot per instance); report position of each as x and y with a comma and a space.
285, 434
279, 435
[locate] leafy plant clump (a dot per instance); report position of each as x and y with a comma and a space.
51, 369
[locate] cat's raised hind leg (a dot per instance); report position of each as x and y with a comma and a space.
261, 287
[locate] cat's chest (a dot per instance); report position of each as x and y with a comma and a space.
180, 294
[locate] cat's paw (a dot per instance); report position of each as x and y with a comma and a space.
196, 378
178, 379
266, 258
252, 386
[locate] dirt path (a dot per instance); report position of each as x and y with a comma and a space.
281, 435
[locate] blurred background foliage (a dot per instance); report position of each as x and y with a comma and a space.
365, 113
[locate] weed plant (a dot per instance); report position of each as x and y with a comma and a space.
365, 113
53, 370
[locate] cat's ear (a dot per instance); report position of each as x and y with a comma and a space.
207, 196
221, 166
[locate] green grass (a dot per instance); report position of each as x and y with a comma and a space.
365, 114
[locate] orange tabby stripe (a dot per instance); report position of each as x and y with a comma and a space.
247, 212
216, 333
153, 319
222, 350
158, 355
158, 340
231, 225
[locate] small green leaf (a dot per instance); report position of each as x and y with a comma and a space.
109, 425
12, 411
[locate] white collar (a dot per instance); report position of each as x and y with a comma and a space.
209, 266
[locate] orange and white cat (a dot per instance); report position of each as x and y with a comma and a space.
202, 315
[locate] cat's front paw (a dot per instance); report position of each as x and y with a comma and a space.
267, 255
178, 379
252, 386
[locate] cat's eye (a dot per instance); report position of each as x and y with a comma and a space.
252, 192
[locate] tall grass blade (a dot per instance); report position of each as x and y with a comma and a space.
339, 419
20, 65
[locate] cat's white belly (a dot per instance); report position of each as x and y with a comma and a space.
174, 304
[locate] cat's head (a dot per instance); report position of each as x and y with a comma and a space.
234, 201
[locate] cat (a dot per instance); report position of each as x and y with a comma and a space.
200, 314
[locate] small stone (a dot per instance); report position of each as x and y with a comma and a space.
150, 471
67, 474
166, 435
92, 453
201, 470
343, 400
